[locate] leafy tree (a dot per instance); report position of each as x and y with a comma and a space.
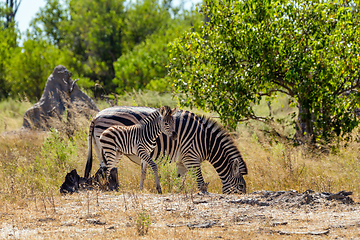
48, 20
30, 66
142, 19
8, 42
308, 50
93, 34
145, 65
8, 11
7, 46
146, 62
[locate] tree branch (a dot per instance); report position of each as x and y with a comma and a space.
16, 7
253, 117
279, 81
272, 91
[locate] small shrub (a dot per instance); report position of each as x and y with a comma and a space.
142, 223
55, 159
169, 180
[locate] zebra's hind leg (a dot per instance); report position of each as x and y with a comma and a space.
113, 180
112, 158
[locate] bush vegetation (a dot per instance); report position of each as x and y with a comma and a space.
116, 44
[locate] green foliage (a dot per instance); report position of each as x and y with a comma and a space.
94, 36
55, 157
30, 66
143, 18
137, 68
90, 31
145, 65
161, 85
8, 44
142, 223
48, 21
169, 180
254, 49
88, 37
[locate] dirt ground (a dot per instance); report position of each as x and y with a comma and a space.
128, 215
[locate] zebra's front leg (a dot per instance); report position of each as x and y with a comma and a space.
201, 184
156, 174
154, 167
195, 167
143, 174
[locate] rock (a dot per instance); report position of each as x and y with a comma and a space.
95, 222
201, 225
61, 93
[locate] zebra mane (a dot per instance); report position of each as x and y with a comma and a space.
208, 122
224, 135
150, 117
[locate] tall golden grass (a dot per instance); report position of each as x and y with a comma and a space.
35, 163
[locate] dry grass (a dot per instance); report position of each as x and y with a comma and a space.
281, 166
11, 114
33, 166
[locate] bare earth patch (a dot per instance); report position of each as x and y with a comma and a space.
264, 215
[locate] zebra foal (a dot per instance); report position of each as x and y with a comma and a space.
138, 140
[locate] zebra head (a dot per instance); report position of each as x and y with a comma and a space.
236, 183
167, 121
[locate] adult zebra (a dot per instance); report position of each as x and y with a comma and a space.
198, 139
138, 140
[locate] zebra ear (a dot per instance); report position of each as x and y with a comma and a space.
236, 170
162, 111
174, 110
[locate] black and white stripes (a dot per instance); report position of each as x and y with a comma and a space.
198, 139
137, 140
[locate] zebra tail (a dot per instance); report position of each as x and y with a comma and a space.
90, 157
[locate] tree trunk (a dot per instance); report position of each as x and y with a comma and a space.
305, 130
13, 5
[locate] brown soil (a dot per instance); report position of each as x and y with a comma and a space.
124, 215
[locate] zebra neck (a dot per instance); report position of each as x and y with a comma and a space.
151, 127
219, 152
150, 118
